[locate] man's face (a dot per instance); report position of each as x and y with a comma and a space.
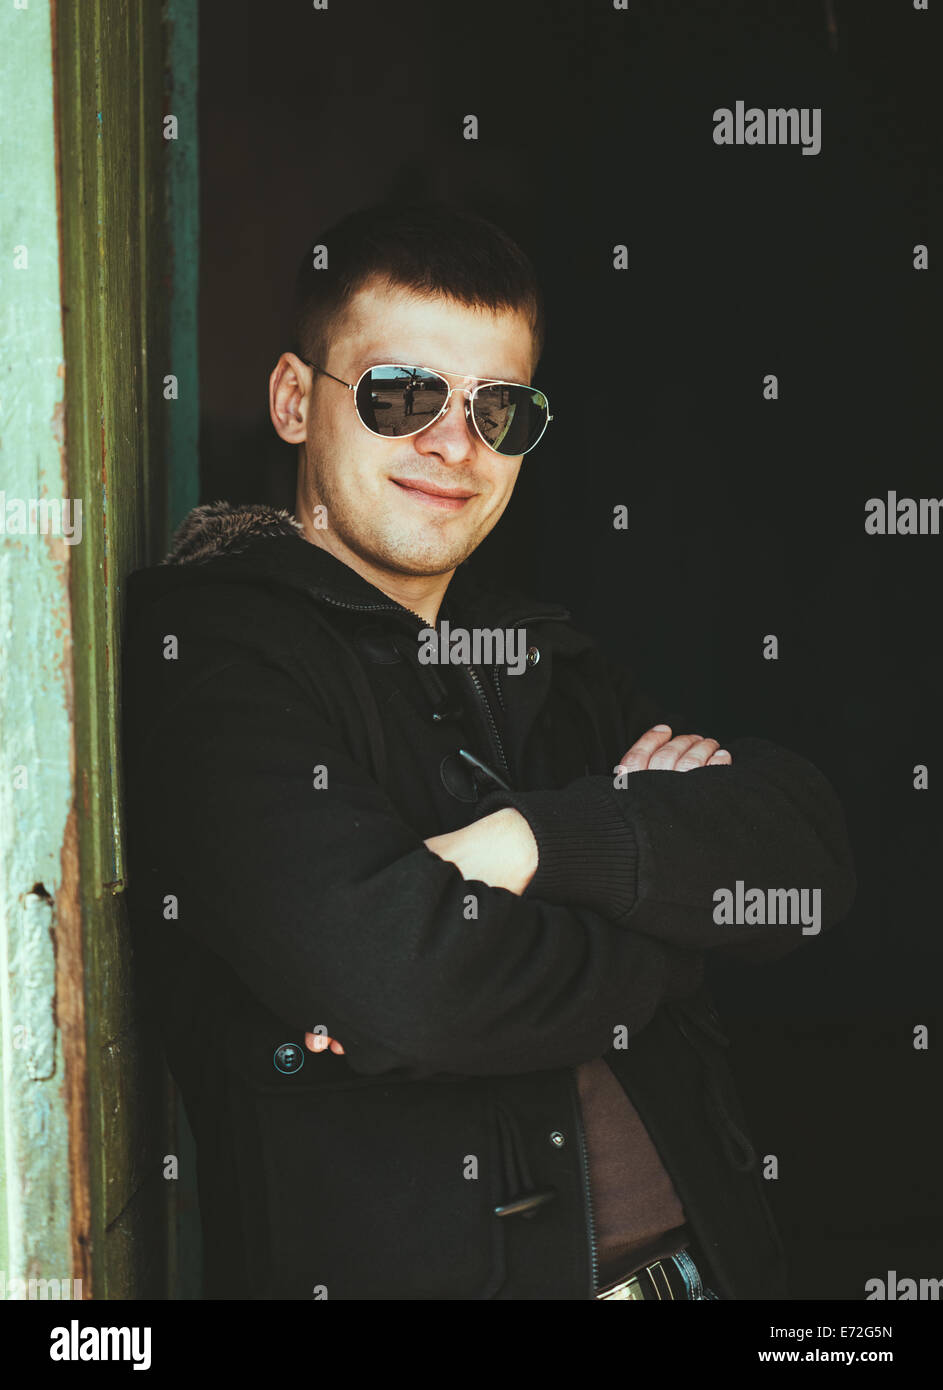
372, 487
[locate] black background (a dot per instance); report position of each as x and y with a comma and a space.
746, 516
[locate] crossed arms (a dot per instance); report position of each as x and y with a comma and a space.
501, 850
338, 917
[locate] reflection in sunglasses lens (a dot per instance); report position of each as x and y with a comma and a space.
394, 401
511, 418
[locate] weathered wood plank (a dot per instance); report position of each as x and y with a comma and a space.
115, 263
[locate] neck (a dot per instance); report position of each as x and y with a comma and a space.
420, 593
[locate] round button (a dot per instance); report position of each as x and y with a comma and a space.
557, 1138
289, 1057
533, 656
458, 778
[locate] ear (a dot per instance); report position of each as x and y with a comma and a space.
290, 390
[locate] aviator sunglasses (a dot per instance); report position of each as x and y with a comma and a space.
394, 401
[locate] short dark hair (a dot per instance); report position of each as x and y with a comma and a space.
430, 247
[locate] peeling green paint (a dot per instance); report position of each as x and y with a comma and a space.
36, 774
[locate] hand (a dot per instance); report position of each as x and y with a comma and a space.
499, 850
318, 1042
657, 751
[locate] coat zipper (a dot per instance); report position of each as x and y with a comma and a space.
489, 712
587, 1194
373, 607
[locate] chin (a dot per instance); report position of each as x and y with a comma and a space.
418, 549
415, 560
421, 567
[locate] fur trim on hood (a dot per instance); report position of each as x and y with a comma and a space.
218, 528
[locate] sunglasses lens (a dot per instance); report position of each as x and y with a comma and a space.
395, 401
511, 418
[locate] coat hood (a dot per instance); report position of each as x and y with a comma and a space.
219, 528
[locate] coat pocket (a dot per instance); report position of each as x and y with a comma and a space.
367, 1190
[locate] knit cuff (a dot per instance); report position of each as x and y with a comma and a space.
587, 851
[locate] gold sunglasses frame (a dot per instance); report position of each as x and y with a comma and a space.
469, 395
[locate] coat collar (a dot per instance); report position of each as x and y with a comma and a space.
256, 539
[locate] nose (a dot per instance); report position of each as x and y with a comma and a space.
453, 435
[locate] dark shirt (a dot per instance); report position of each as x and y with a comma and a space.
637, 1212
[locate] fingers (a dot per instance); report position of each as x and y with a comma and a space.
636, 759
668, 757
319, 1042
698, 754
657, 751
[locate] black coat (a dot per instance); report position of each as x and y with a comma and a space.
264, 905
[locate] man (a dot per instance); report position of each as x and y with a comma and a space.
492, 890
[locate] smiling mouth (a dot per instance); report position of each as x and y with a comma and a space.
441, 498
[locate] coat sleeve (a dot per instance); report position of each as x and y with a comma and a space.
770, 820
333, 912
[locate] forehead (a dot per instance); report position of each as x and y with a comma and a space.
391, 324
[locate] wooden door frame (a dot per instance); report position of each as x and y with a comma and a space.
100, 405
